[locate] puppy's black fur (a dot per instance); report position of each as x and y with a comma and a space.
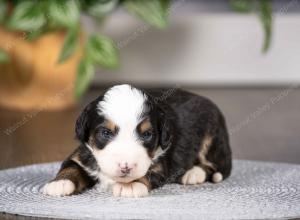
186, 120
190, 128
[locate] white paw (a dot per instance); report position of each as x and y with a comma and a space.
196, 175
59, 188
217, 177
135, 189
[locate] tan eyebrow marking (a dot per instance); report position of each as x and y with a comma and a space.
110, 125
145, 125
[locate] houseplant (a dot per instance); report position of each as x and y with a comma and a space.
46, 58
45, 55
264, 10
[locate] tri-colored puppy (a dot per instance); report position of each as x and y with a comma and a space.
133, 141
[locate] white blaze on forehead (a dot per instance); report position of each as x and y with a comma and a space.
123, 104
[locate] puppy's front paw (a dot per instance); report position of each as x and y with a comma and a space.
134, 189
196, 175
59, 188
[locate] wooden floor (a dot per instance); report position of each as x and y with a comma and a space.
264, 124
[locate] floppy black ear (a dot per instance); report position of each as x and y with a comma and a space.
166, 128
83, 123
81, 127
87, 119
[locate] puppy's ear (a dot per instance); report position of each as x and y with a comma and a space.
83, 123
166, 129
86, 120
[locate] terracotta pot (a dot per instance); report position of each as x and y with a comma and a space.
33, 79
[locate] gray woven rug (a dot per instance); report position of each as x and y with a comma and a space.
255, 190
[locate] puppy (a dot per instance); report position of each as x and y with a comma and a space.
133, 141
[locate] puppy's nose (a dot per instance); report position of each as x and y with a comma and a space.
125, 168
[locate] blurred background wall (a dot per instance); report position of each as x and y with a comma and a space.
206, 44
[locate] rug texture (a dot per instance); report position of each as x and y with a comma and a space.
255, 190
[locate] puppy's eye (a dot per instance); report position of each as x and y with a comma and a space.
106, 133
147, 135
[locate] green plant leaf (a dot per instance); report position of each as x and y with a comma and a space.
3, 10
85, 73
267, 21
69, 45
242, 5
64, 13
32, 35
102, 51
26, 16
154, 12
4, 58
99, 8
